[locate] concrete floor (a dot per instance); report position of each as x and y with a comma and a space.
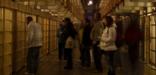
52, 66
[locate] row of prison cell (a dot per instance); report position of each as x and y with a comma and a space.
13, 44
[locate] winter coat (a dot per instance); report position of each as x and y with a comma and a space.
108, 38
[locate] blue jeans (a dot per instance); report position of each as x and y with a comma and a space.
61, 46
97, 54
111, 69
33, 59
68, 54
86, 58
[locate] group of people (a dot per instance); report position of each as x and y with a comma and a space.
104, 35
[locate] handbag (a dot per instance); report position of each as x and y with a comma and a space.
69, 42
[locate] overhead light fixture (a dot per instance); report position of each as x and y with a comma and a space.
149, 14
26, 2
42, 10
38, 7
90, 3
45, 10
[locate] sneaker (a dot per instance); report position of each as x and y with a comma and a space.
111, 73
68, 67
98, 71
27, 73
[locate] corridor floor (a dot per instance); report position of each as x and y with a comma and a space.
52, 66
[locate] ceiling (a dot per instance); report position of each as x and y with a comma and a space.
59, 8
75, 9
134, 6
85, 4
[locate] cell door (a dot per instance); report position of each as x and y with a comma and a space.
20, 34
1, 40
8, 42
152, 37
147, 39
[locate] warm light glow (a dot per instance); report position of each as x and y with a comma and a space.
38, 7
45, 10
149, 14
25, 3
90, 3
42, 10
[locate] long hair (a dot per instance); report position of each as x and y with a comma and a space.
70, 28
109, 21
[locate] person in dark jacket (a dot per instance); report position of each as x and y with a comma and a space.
132, 38
119, 39
86, 43
61, 40
70, 32
119, 30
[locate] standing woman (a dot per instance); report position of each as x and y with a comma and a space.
107, 43
69, 45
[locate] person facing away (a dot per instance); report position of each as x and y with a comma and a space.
86, 43
69, 45
95, 37
132, 37
119, 39
34, 39
80, 36
119, 31
61, 40
107, 43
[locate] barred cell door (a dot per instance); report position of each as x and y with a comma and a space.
149, 41
152, 43
19, 55
6, 42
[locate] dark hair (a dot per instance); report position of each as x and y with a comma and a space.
87, 20
98, 15
109, 20
70, 28
67, 19
29, 18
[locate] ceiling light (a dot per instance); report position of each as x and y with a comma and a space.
42, 10
90, 3
149, 14
38, 7
46, 10
26, 3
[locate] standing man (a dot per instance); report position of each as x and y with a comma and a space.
61, 40
34, 39
86, 43
95, 37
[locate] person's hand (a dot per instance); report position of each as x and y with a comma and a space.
94, 42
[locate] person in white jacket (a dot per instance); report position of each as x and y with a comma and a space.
107, 43
34, 39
